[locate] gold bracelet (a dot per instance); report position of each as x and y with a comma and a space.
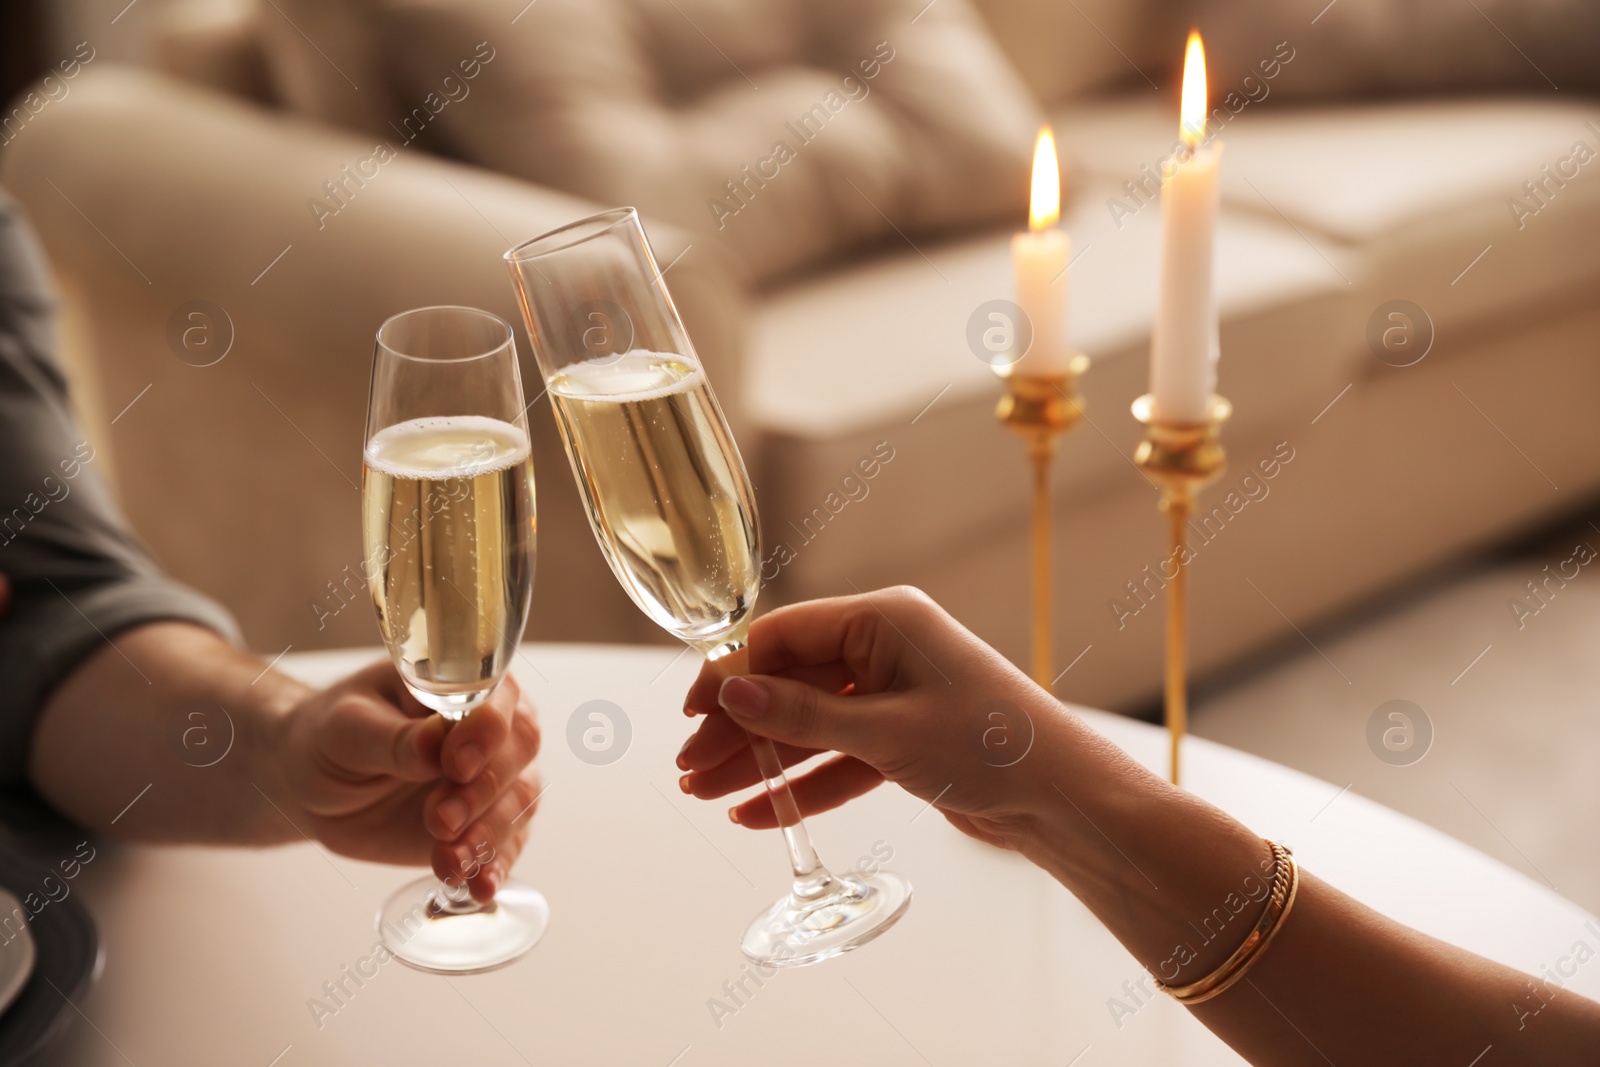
1285, 884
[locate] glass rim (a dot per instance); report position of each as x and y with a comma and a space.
505, 327
572, 233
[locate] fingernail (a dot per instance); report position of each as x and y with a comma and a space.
743, 697
683, 764
683, 783
469, 760
453, 813
733, 815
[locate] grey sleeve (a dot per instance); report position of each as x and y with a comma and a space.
78, 576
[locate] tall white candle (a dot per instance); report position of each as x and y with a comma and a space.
1040, 258
1185, 347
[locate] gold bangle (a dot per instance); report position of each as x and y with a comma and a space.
1285, 884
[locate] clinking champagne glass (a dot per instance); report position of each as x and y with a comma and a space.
449, 528
672, 507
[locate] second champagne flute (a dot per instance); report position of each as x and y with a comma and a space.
671, 505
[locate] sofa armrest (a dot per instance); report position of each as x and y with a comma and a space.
242, 475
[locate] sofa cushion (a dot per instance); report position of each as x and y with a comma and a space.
221, 46
1389, 47
327, 62
1065, 51
785, 132
1435, 194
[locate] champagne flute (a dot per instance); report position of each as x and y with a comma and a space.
672, 507
449, 529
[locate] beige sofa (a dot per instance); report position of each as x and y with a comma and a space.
154, 189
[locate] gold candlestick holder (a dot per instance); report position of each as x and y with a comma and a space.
1040, 410
1179, 457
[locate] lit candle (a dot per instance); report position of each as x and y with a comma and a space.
1184, 348
1040, 260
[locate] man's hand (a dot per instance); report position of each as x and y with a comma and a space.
379, 777
360, 766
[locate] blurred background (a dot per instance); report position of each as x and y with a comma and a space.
234, 195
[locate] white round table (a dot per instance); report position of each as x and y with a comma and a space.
222, 956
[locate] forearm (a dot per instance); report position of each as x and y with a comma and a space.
1152, 861
169, 735
1180, 884
1365, 989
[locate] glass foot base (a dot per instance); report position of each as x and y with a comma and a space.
426, 931
792, 933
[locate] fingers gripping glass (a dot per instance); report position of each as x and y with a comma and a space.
448, 525
672, 507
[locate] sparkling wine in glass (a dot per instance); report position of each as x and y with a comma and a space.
449, 527
672, 507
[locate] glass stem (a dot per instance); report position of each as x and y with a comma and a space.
452, 898
811, 879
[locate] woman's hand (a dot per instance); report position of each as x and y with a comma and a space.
379, 777
895, 686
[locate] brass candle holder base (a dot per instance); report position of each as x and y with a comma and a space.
1040, 411
1179, 458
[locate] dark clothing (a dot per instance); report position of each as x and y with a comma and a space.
77, 574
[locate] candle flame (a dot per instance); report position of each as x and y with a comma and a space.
1044, 207
1192, 112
